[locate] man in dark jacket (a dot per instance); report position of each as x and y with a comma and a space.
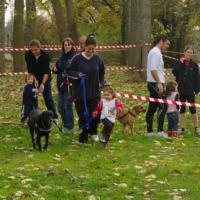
38, 62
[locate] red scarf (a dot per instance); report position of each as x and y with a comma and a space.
186, 62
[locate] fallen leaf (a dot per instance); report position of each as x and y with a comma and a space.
12, 177
92, 197
116, 174
153, 157
129, 197
121, 185
150, 178
26, 180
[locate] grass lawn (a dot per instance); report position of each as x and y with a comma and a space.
130, 167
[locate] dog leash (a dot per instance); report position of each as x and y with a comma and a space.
85, 112
59, 128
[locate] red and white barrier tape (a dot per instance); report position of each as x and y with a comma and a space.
172, 58
156, 100
13, 73
109, 69
58, 47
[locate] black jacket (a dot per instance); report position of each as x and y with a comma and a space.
38, 67
61, 65
187, 77
94, 71
30, 94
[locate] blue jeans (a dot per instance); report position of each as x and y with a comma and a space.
172, 121
47, 94
65, 110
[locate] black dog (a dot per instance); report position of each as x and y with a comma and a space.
40, 122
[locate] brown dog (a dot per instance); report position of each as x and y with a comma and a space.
127, 116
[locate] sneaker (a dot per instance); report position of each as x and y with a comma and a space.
150, 134
55, 121
162, 134
95, 138
102, 139
197, 131
181, 131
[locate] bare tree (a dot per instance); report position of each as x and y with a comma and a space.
18, 34
2, 35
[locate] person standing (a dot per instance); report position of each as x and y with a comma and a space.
186, 72
86, 91
65, 105
38, 64
155, 85
172, 110
81, 43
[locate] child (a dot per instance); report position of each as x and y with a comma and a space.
172, 110
30, 94
107, 109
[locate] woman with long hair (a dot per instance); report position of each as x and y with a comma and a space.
186, 72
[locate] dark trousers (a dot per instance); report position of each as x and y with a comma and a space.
65, 108
107, 129
172, 121
153, 90
190, 99
26, 109
80, 109
47, 94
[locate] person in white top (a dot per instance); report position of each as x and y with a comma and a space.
155, 85
107, 109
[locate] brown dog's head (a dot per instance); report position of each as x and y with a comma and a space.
137, 109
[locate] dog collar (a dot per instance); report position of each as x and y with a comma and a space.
129, 111
43, 130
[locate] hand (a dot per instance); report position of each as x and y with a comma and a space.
55, 69
94, 114
36, 83
81, 75
160, 88
41, 88
182, 59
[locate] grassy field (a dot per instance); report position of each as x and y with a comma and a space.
130, 167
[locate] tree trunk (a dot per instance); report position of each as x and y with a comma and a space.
126, 30
70, 19
139, 15
2, 35
18, 34
30, 31
145, 29
61, 22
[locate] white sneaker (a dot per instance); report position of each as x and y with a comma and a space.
55, 121
150, 134
102, 139
95, 138
197, 131
162, 134
180, 131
